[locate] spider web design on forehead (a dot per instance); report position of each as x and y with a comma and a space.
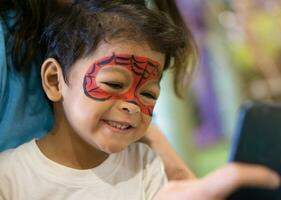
143, 69
135, 62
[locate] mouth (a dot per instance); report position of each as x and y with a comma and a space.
121, 126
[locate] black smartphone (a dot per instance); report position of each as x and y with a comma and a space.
257, 140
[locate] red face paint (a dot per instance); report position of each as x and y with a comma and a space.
142, 68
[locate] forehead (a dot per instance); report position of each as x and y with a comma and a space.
134, 61
142, 50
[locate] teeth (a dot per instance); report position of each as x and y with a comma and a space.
117, 125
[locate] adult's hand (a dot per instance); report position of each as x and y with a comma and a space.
221, 183
175, 168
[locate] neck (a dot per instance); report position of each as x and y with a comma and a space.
65, 147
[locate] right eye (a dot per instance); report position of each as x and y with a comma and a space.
114, 85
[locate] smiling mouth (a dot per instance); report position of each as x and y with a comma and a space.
118, 125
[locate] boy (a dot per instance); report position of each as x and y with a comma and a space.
102, 72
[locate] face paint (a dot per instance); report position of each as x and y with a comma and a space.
143, 69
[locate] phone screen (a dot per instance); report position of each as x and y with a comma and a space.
257, 140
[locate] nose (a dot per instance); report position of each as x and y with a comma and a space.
130, 107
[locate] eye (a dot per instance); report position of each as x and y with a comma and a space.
114, 85
149, 95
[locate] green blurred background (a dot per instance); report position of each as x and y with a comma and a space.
240, 59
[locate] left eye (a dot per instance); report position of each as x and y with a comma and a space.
149, 95
114, 85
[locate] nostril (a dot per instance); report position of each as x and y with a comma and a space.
131, 109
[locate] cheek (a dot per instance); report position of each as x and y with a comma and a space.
84, 113
146, 120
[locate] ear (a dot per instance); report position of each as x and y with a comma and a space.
51, 75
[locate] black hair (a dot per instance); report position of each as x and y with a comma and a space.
76, 31
30, 17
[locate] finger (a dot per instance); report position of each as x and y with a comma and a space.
225, 180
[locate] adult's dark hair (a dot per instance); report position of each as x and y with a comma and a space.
76, 31
29, 17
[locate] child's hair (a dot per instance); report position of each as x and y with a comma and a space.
76, 31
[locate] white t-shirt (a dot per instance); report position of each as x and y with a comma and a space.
26, 174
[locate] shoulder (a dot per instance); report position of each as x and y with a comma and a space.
10, 168
7, 163
11, 158
6, 158
12, 164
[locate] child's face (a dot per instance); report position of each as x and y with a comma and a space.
111, 94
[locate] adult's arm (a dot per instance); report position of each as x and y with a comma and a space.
221, 183
175, 168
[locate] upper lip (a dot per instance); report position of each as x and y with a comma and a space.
122, 122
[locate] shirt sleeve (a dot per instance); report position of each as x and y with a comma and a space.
155, 177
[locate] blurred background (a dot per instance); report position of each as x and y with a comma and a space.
240, 59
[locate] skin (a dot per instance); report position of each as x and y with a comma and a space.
80, 140
140, 72
221, 183
82, 136
157, 141
175, 168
